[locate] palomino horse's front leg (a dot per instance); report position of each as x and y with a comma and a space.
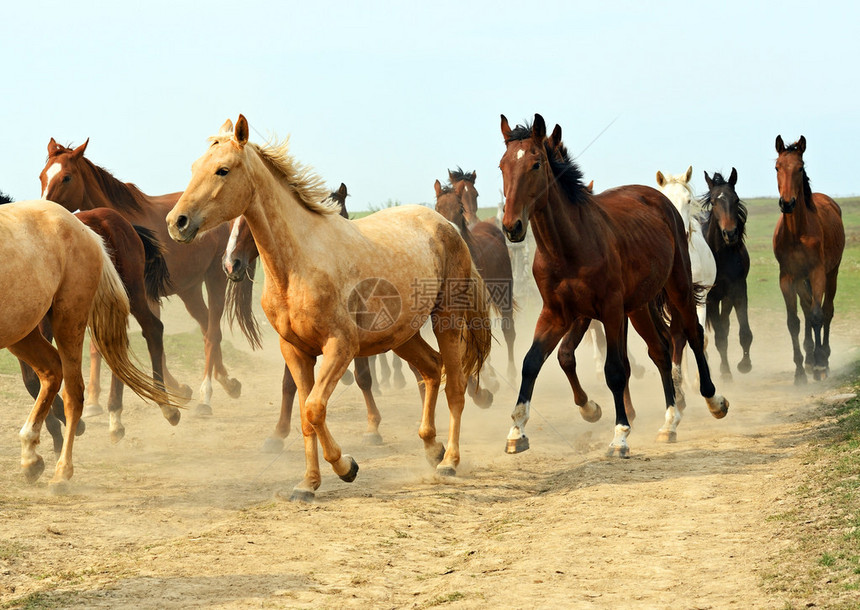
301, 368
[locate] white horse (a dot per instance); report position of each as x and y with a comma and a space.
702, 264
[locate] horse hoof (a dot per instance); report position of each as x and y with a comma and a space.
800, 378
638, 371
718, 406
117, 435
399, 381
372, 438
517, 445
622, 452
302, 495
350, 475
60, 488
81, 428
92, 410
744, 366
182, 394
484, 399
445, 471
348, 378
590, 412
33, 471
726, 377
203, 410
436, 459
665, 436
272, 445
174, 417
234, 388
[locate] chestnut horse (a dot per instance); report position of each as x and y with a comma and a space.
610, 257
55, 266
321, 305
808, 242
240, 261
76, 183
725, 230
468, 194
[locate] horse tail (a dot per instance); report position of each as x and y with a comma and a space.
156, 275
475, 333
661, 315
239, 305
108, 322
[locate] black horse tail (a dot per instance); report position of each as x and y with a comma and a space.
239, 305
156, 275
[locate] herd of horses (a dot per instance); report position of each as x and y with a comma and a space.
628, 255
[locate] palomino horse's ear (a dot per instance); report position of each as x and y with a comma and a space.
226, 128
708, 180
241, 132
801, 144
53, 147
506, 129
780, 145
79, 151
733, 178
539, 128
661, 179
689, 174
555, 137
438, 187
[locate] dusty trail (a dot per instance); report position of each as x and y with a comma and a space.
188, 516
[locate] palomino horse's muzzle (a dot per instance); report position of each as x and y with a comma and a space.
787, 207
182, 228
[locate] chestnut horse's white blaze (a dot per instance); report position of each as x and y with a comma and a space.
320, 305
50, 173
231, 244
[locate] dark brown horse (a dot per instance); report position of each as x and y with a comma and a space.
240, 261
487, 245
76, 183
724, 230
468, 193
609, 257
808, 242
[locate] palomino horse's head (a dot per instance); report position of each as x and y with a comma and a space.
220, 188
790, 175
727, 210
525, 174
62, 178
678, 190
449, 203
468, 194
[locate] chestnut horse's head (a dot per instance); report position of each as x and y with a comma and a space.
525, 174
468, 194
63, 178
241, 251
790, 175
728, 213
449, 203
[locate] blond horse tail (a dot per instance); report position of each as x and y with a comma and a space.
476, 334
108, 323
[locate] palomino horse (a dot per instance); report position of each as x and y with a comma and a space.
808, 242
607, 257
240, 260
56, 266
76, 183
725, 229
487, 245
703, 267
321, 306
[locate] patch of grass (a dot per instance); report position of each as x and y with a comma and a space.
10, 550
40, 600
445, 599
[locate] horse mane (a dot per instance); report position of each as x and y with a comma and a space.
124, 195
458, 174
4, 198
707, 204
446, 188
305, 184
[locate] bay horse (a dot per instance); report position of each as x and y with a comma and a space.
808, 243
57, 267
612, 256
320, 305
76, 183
240, 261
487, 245
468, 194
725, 231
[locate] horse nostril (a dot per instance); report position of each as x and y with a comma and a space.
182, 222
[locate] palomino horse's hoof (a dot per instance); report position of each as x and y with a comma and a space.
517, 445
666, 436
590, 412
372, 438
174, 417
350, 475
436, 458
203, 410
233, 387
60, 488
117, 435
33, 471
302, 495
622, 451
92, 410
272, 444
445, 471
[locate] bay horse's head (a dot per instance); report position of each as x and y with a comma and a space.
449, 203
790, 175
468, 195
241, 251
678, 190
525, 174
728, 213
63, 178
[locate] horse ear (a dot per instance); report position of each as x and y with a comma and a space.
226, 128
438, 187
342, 191
661, 180
53, 147
79, 151
590, 187
780, 145
539, 128
708, 180
689, 174
801, 144
506, 129
733, 178
241, 132
474, 175
450, 176
555, 137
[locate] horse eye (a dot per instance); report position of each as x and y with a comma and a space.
223, 171
67, 178
536, 165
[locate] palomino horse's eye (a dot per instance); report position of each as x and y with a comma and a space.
223, 171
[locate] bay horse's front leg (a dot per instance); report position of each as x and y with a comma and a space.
301, 368
275, 442
827, 307
549, 330
617, 375
786, 284
589, 409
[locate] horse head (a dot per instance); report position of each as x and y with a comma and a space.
63, 178
728, 213
790, 175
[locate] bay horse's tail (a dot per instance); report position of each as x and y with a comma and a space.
476, 333
156, 275
108, 324
240, 307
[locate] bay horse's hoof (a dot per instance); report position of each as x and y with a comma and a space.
117, 435
517, 445
372, 438
718, 406
622, 452
81, 428
60, 488
233, 387
348, 378
666, 436
350, 475
820, 373
483, 398
590, 412
33, 471
445, 471
272, 444
745, 366
436, 458
92, 410
302, 495
203, 410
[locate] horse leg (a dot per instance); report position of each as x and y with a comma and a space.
55, 416
617, 376
365, 384
817, 284
510, 334
216, 294
397, 377
455, 391
549, 330
384, 371
182, 391
275, 442
679, 342
789, 295
196, 306
37, 352
650, 326
598, 342
589, 409
745, 335
115, 427
827, 308
92, 408
428, 363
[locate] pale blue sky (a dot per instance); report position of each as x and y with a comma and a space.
386, 96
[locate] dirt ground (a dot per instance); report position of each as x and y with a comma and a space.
190, 516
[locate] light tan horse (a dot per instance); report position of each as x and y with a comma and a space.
54, 265
407, 264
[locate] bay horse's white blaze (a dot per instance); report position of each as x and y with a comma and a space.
231, 244
50, 173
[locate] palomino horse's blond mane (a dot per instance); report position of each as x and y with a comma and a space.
301, 179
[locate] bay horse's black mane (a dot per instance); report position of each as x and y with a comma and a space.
458, 174
446, 188
707, 204
565, 171
4, 198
